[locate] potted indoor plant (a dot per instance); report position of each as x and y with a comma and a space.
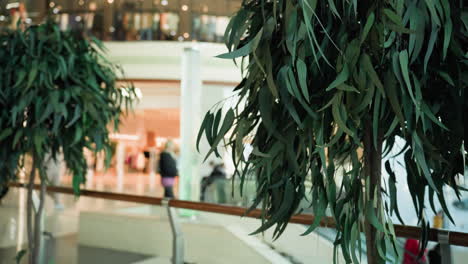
58, 95
330, 86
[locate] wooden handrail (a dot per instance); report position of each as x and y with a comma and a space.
455, 238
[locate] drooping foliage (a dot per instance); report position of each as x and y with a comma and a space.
325, 81
57, 94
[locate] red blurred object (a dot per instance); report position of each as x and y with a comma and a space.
412, 252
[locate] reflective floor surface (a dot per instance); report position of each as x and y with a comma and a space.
75, 228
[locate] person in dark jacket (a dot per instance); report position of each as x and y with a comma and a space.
218, 173
168, 169
434, 255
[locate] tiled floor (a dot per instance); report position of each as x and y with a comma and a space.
63, 223
66, 250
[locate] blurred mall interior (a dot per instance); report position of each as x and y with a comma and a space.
167, 49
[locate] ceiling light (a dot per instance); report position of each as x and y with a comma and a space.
184, 7
92, 6
164, 2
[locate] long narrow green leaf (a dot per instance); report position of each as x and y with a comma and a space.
391, 90
332, 5
245, 50
227, 124
5, 133
405, 72
269, 73
372, 217
369, 68
430, 47
446, 77
448, 27
428, 113
393, 191
416, 40
434, 17
201, 131
302, 76
340, 79
421, 161
393, 16
368, 26
339, 119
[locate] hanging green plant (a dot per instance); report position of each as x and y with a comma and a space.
58, 95
330, 86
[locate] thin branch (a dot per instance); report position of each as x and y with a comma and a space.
29, 209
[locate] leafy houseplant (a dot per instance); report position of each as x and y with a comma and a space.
58, 94
329, 86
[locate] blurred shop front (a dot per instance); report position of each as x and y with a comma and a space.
129, 20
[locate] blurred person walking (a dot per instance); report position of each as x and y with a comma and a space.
168, 169
217, 176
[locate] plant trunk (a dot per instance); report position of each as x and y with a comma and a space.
34, 219
29, 211
373, 171
38, 223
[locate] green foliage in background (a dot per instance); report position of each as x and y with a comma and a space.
328, 87
57, 93
58, 96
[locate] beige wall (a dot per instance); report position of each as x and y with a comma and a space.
162, 60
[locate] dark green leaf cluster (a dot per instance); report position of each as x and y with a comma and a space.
57, 94
320, 76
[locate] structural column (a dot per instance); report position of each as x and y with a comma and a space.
191, 85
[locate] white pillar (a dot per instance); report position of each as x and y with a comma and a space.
120, 165
191, 85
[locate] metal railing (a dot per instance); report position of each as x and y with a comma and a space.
442, 236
